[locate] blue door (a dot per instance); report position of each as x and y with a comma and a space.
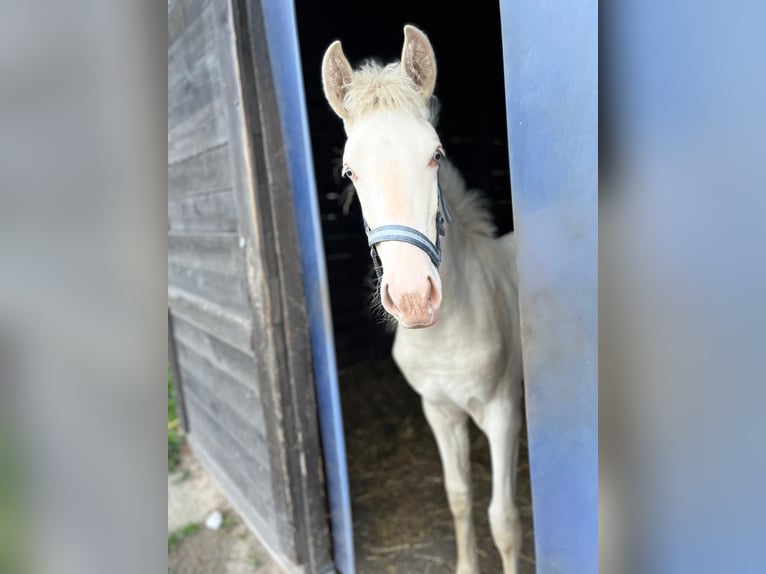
282, 39
550, 51
550, 54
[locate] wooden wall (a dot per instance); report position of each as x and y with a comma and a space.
239, 334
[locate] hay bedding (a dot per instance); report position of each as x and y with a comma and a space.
402, 523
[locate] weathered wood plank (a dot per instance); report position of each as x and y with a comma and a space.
193, 90
291, 343
251, 475
220, 322
194, 8
243, 316
197, 38
181, 15
207, 212
207, 292
197, 118
236, 406
198, 133
177, 67
201, 36
176, 21
217, 252
241, 98
224, 290
232, 431
234, 362
215, 423
205, 172
262, 525
214, 372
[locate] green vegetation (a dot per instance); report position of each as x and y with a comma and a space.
183, 476
175, 537
13, 497
229, 521
254, 559
175, 434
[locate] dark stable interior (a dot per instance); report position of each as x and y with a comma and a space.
401, 518
472, 127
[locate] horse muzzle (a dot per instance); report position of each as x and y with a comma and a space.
414, 306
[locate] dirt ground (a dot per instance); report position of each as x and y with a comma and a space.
402, 523
192, 496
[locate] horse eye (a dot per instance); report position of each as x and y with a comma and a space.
348, 173
438, 155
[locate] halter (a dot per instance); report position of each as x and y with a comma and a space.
410, 235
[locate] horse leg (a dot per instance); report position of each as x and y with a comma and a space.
501, 424
450, 427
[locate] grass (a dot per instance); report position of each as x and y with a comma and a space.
254, 559
229, 521
14, 523
175, 537
182, 477
175, 434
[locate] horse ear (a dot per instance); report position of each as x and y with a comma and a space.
418, 60
336, 77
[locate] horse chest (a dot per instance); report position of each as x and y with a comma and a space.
460, 375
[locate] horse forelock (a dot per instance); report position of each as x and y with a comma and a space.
377, 87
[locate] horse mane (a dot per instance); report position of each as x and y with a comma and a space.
469, 208
377, 87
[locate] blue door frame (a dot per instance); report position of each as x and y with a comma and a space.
282, 39
550, 57
550, 53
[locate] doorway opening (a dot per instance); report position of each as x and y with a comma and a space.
402, 522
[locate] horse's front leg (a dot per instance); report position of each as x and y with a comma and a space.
501, 423
450, 427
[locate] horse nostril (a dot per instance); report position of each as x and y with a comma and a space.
434, 295
387, 300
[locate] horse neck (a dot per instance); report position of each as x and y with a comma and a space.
453, 269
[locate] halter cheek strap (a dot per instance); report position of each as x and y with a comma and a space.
405, 234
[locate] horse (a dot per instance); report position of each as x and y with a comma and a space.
444, 279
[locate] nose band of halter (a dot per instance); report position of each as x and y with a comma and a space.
405, 234
409, 235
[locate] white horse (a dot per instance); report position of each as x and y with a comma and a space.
467, 362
